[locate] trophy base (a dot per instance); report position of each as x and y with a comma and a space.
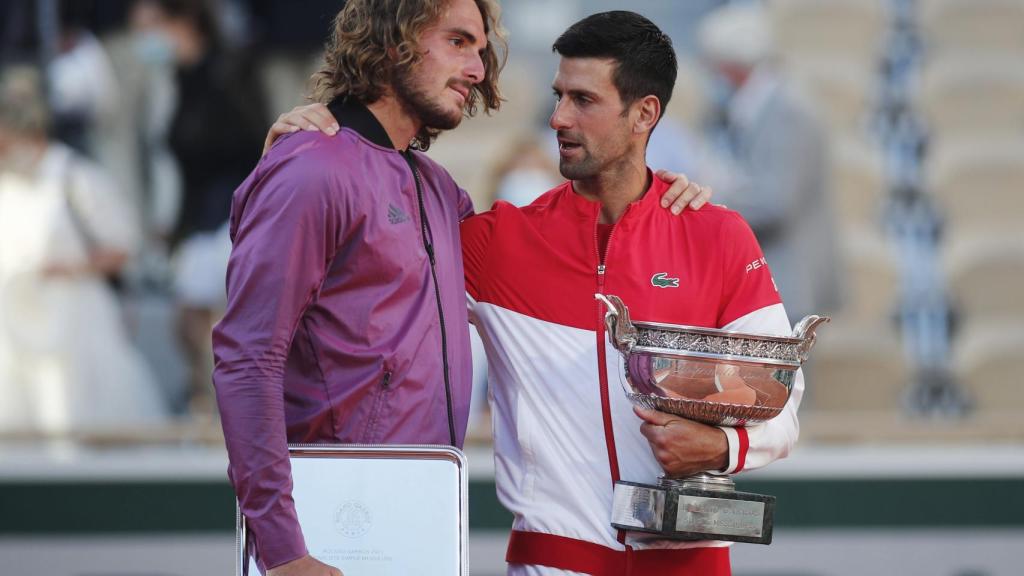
702, 507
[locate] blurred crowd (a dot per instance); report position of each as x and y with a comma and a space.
875, 146
124, 129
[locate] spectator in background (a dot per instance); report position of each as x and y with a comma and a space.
776, 169
66, 363
524, 172
289, 38
216, 134
82, 85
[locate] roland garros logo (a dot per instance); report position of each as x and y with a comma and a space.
352, 519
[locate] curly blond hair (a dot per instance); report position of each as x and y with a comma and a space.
357, 63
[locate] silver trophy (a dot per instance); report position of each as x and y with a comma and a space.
712, 376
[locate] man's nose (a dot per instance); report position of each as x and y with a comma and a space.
474, 70
559, 117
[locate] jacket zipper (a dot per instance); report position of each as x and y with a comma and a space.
378, 405
602, 363
428, 245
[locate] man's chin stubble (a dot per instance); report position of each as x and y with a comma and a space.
575, 171
435, 118
419, 106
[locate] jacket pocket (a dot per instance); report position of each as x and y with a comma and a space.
382, 393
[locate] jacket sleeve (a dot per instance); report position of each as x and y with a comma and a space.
284, 231
751, 303
761, 444
476, 232
465, 204
747, 282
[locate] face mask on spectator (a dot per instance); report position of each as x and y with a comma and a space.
154, 48
523, 185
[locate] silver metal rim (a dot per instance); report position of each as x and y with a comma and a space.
716, 332
715, 358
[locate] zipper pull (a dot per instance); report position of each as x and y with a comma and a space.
430, 253
600, 269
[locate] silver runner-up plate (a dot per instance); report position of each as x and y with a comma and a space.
378, 510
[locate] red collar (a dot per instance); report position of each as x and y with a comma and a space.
589, 208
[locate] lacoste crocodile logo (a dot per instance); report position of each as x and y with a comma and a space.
661, 281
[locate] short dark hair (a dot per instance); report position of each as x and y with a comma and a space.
644, 57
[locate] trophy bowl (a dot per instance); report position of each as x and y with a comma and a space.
708, 375
713, 376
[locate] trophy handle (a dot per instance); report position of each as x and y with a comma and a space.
620, 329
804, 330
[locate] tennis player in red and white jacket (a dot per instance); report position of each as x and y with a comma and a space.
564, 431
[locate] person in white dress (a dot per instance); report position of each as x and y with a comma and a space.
66, 362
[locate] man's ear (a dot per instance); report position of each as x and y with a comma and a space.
648, 112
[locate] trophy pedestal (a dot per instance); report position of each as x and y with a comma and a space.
701, 507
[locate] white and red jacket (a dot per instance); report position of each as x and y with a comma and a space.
564, 431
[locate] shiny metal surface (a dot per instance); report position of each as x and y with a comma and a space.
720, 516
638, 507
355, 502
702, 481
712, 376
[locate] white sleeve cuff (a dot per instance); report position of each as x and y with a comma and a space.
733, 439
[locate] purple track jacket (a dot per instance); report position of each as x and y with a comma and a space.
346, 317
